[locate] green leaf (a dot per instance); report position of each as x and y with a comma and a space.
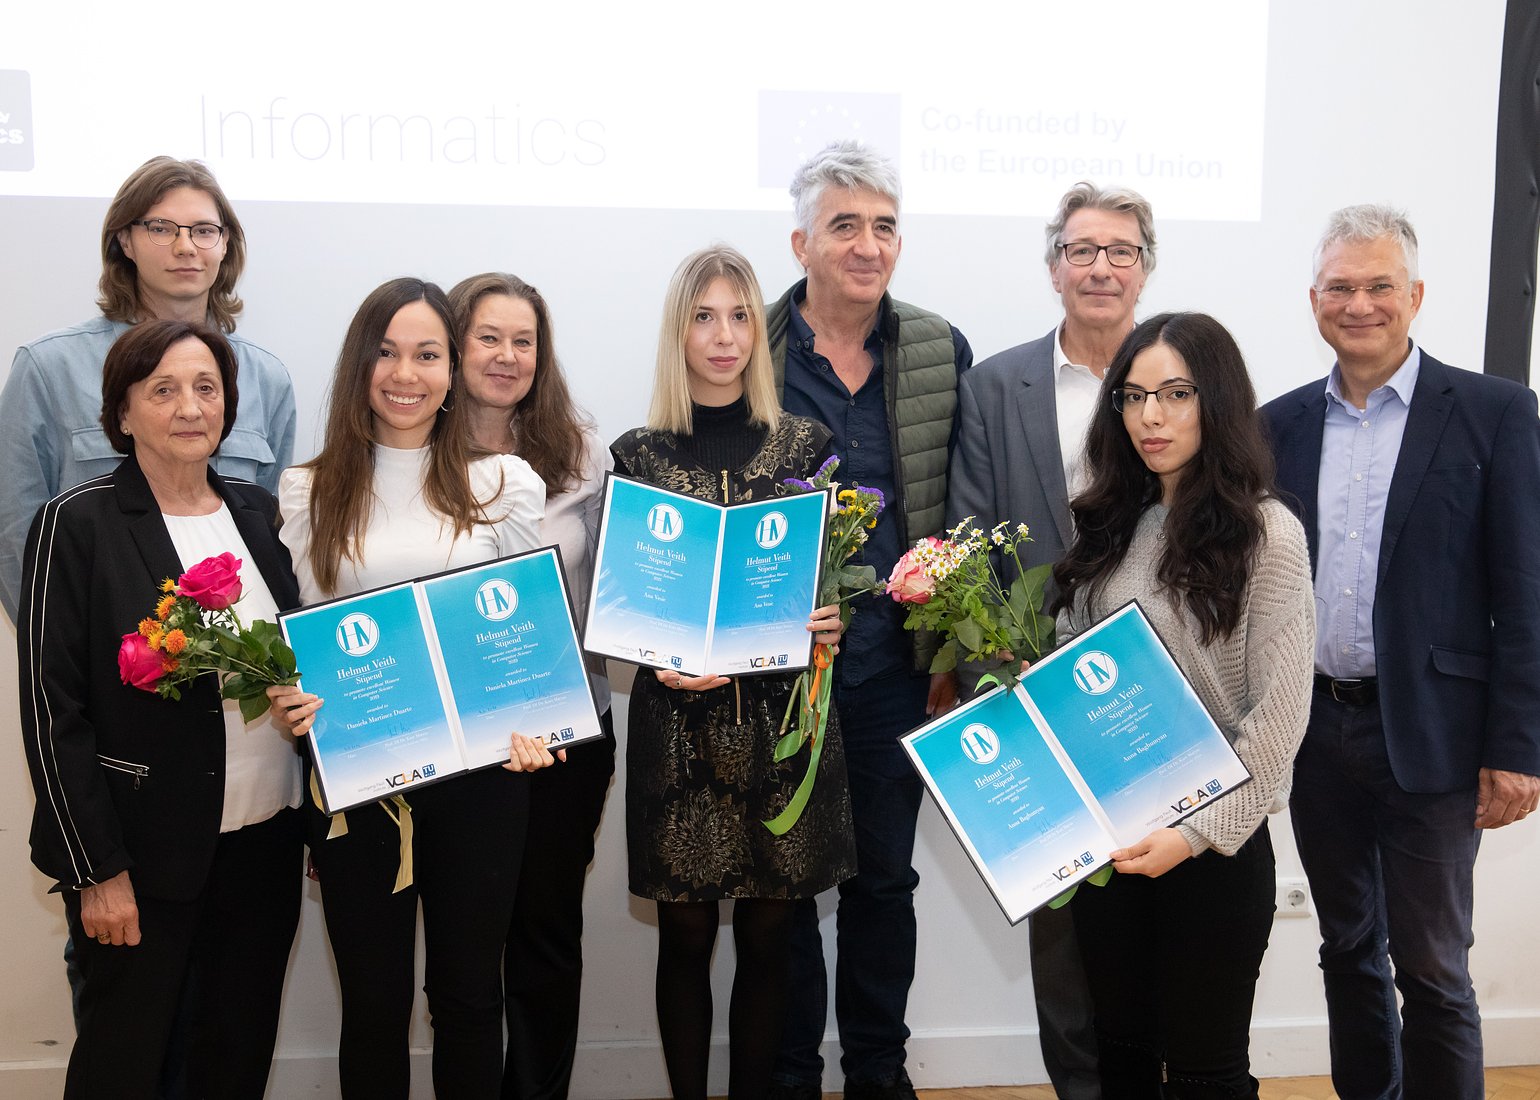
254, 706
1036, 580
1063, 899
970, 635
945, 659
1102, 877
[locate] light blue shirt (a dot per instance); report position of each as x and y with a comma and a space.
1359, 448
51, 435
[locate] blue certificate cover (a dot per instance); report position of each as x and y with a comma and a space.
426, 679
685, 584
1101, 743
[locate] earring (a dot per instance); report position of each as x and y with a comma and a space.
124, 428
449, 402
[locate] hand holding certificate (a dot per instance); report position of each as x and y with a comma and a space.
694, 587
1100, 744
431, 678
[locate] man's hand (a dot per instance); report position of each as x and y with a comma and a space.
1505, 797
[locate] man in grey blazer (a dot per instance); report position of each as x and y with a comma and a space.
1022, 418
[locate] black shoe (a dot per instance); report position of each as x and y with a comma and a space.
782, 1090
898, 1088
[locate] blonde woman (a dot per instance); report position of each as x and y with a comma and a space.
699, 758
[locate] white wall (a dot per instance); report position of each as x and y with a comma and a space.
1364, 102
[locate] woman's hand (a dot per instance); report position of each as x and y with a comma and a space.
109, 913
1154, 855
679, 682
293, 709
529, 754
826, 626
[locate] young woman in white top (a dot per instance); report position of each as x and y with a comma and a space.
1180, 515
396, 493
517, 402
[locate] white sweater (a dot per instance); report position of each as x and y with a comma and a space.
1256, 683
405, 538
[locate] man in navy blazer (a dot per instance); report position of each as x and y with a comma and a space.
1019, 458
1416, 483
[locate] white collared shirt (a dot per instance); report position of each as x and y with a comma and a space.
1075, 393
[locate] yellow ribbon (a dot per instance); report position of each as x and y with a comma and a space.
403, 820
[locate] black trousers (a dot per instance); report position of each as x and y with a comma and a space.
468, 839
1172, 963
237, 934
543, 958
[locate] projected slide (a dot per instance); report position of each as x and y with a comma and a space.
988, 108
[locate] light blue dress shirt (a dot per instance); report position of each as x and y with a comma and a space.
51, 435
1359, 448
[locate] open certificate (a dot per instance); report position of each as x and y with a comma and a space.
681, 583
1101, 743
426, 679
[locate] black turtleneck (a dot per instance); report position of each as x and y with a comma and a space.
723, 438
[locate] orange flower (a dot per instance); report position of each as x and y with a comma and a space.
172, 664
155, 638
174, 642
168, 586
148, 627
164, 607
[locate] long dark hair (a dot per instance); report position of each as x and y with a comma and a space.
547, 424
341, 486
1215, 522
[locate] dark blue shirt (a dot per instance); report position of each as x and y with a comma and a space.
876, 643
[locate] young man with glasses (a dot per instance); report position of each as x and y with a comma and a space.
1022, 418
172, 249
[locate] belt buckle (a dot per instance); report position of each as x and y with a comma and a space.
1350, 686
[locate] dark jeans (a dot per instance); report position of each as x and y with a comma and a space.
237, 934
1392, 877
468, 839
875, 921
1173, 964
543, 959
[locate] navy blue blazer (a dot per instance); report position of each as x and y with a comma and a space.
125, 780
1457, 608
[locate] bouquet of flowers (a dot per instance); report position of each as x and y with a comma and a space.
194, 629
952, 587
854, 513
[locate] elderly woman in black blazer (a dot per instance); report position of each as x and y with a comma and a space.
170, 827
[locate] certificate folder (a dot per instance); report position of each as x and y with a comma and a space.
426, 679
684, 584
1100, 743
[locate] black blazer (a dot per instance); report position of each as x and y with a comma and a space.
1457, 608
125, 780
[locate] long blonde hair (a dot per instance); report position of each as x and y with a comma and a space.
671, 404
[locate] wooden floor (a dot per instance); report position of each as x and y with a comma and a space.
1509, 1083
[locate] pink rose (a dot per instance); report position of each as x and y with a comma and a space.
138, 664
214, 583
908, 582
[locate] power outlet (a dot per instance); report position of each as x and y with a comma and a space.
1293, 898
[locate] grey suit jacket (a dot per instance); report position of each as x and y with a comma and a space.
1008, 464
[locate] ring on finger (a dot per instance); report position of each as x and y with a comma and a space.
103, 937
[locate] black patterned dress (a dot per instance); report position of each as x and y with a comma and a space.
700, 773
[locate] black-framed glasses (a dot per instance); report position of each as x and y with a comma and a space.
163, 231
1341, 292
1173, 398
1083, 253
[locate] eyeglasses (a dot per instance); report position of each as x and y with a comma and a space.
163, 232
1341, 292
1083, 253
1174, 398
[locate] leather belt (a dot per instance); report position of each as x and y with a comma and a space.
1353, 693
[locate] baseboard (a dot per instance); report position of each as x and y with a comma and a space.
937, 1059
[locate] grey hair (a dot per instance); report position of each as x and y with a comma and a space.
849, 164
1085, 195
1370, 221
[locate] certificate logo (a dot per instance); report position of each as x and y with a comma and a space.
1096, 673
770, 530
357, 634
980, 744
496, 600
664, 522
